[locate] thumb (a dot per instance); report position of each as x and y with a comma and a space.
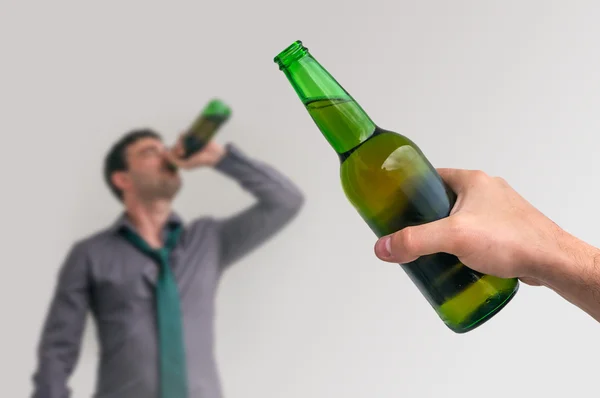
410, 243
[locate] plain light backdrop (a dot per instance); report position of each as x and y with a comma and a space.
510, 87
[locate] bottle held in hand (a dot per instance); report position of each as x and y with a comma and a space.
205, 126
392, 185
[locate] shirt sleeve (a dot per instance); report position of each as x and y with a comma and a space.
60, 342
278, 201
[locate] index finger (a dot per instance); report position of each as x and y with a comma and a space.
455, 178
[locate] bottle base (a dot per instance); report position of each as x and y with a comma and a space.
485, 312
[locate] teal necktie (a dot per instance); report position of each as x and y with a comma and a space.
172, 366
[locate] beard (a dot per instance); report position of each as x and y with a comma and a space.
151, 188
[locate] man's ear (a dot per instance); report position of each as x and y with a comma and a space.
120, 179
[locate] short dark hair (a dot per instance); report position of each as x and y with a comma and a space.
116, 159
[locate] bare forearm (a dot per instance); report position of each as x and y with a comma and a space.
576, 275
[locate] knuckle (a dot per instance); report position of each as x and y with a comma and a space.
403, 241
500, 180
479, 177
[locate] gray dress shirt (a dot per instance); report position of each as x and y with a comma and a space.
112, 279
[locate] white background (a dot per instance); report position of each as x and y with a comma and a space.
510, 87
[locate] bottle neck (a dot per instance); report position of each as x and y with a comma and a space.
342, 121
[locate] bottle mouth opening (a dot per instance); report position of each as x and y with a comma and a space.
216, 107
292, 53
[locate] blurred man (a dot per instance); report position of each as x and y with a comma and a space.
150, 281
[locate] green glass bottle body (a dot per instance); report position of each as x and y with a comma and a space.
205, 126
392, 185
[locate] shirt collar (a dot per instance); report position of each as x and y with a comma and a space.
173, 221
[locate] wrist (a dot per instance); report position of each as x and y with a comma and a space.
572, 262
575, 275
217, 156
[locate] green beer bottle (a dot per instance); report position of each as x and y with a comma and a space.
206, 125
392, 185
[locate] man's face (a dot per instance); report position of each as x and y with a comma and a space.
149, 175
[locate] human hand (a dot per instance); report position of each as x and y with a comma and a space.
209, 155
491, 229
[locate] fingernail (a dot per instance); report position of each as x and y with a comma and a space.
383, 247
